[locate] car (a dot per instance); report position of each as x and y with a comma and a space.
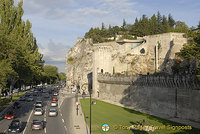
53, 112
30, 98
44, 91
38, 103
35, 93
46, 95
54, 99
16, 105
38, 111
9, 115
23, 98
55, 94
27, 94
32, 89
84, 93
14, 127
53, 103
50, 92
73, 92
37, 125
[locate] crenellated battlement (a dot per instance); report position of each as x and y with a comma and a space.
185, 82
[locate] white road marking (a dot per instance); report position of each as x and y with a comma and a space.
45, 130
27, 122
61, 114
4, 131
65, 128
63, 120
60, 103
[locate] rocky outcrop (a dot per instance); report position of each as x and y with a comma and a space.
79, 62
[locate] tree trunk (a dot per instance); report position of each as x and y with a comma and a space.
13, 81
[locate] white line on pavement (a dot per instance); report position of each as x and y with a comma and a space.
45, 130
27, 122
60, 103
65, 128
63, 120
4, 131
61, 114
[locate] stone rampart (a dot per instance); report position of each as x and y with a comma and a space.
173, 96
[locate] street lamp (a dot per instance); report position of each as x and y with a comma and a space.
89, 76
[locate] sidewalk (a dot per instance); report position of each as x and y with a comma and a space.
80, 126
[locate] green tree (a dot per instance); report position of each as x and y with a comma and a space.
19, 48
181, 27
165, 25
153, 25
50, 73
62, 77
191, 50
159, 21
171, 21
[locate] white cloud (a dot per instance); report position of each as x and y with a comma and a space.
54, 54
91, 11
80, 12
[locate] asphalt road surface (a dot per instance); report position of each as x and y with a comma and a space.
60, 124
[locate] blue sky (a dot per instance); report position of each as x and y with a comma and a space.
57, 24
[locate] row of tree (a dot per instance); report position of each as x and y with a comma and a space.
144, 26
50, 75
20, 61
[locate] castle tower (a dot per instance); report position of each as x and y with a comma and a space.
101, 63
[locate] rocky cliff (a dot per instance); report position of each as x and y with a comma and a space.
79, 62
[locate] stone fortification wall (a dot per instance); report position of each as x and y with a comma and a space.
172, 96
169, 44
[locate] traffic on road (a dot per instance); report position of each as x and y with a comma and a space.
35, 112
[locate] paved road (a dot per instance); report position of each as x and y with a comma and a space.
62, 124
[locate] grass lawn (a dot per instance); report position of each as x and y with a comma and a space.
4, 102
120, 119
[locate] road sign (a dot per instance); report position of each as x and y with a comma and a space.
77, 103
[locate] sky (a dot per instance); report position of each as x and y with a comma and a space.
57, 24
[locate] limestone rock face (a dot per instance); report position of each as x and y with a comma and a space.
79, 63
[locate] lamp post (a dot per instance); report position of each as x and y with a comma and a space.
90, 91
90, 115
77, 91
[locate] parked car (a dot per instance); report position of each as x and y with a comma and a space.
38, 111
53, 103
32, 89
73, 92
35, 93
30, 98
53, 112
23, 98
9, 115
27, 94
37, 125
16, 105
14, 126
84, 93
